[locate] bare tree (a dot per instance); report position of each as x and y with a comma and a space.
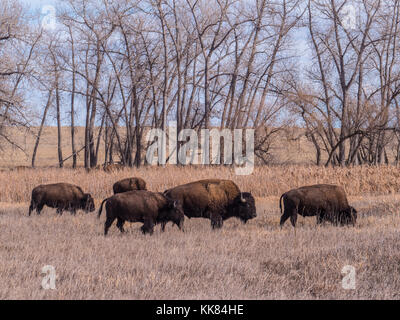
17, 51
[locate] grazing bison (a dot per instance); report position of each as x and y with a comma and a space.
129, 184
144, 206
63, 196
113, 167
327, 202
214, 199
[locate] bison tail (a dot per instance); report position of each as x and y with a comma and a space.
280, 202
101, 208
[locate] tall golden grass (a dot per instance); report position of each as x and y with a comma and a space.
263, 182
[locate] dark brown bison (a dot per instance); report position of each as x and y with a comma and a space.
129, 184
63, 196
147, 207
327, 202
214, 199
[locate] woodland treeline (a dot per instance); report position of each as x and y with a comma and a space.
119, 67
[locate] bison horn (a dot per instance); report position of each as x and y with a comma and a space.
243, 200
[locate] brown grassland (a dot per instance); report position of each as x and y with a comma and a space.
253, 261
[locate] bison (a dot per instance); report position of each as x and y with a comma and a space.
214, 199
147, 207
327, 202
129, 184
63, 196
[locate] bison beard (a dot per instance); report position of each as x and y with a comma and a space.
327, 202
214, 199
147, 207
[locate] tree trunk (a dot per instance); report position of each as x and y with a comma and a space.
46, 108
74, 156
59, 138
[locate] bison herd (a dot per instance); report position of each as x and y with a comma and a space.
213, 199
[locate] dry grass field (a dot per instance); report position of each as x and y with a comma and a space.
253, 261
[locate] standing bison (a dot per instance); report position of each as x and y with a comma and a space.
147, 207
214, 199
327, 202
129, 184
63, 196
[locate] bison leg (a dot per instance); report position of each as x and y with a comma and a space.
289, 213
293, 218
59, 211
336, 219
148, 227
120, 224
31, 207
163, 224
284, 217
72, 209
108, 224
320, 217
216, 221
39, 208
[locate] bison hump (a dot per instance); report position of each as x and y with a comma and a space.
217, 198
216, 193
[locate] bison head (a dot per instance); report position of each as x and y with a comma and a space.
244, 207
88, 203
172, 211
